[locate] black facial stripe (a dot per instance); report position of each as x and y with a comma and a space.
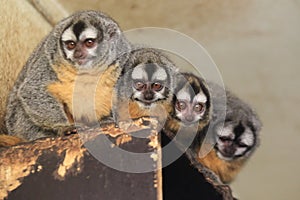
252, 128
78, 28
192, 93
207, 94
150, 69
194, 89
238, 130
62, 49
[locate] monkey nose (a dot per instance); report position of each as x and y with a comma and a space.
148, 96
189, 118
227, 143
78, 54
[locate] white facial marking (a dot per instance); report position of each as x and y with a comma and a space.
198, 117
226, 132
68, 35
69, 53
200, 97
160, 74
183, 94
179, 114
240, 151
139, 73
88, 33
92, 51
159, 95
247, 137
138, 95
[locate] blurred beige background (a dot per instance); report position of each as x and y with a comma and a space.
256, 46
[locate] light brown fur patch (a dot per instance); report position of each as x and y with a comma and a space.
8, 140
132, 110
87, 95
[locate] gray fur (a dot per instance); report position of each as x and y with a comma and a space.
31, 111
237, 111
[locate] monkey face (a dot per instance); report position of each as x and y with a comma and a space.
234, 140
92, 40
190, 107
81, 44
149, 84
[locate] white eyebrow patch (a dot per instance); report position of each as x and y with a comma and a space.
68, 35
226, 132
247, 137
139, 73
183, 94
240, 151
160, 74
88, 33
200, 97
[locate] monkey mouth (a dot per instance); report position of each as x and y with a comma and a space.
81, 61
225, 155
146, 103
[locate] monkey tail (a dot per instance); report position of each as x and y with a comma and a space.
8, 140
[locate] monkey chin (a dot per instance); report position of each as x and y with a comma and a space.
226, 158
84, 63
189, 124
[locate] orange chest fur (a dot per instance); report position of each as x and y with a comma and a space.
87, 95
129, 109
226, 170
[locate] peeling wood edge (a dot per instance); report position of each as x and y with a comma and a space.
73, 156
91, 133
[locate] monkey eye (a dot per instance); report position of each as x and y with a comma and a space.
157, 86
180, 105
199, 107
139, 85
89, 42
70, 44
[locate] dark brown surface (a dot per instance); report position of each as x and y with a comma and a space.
62, 168
183, 181
95, 181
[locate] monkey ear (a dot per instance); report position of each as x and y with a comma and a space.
112, 31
